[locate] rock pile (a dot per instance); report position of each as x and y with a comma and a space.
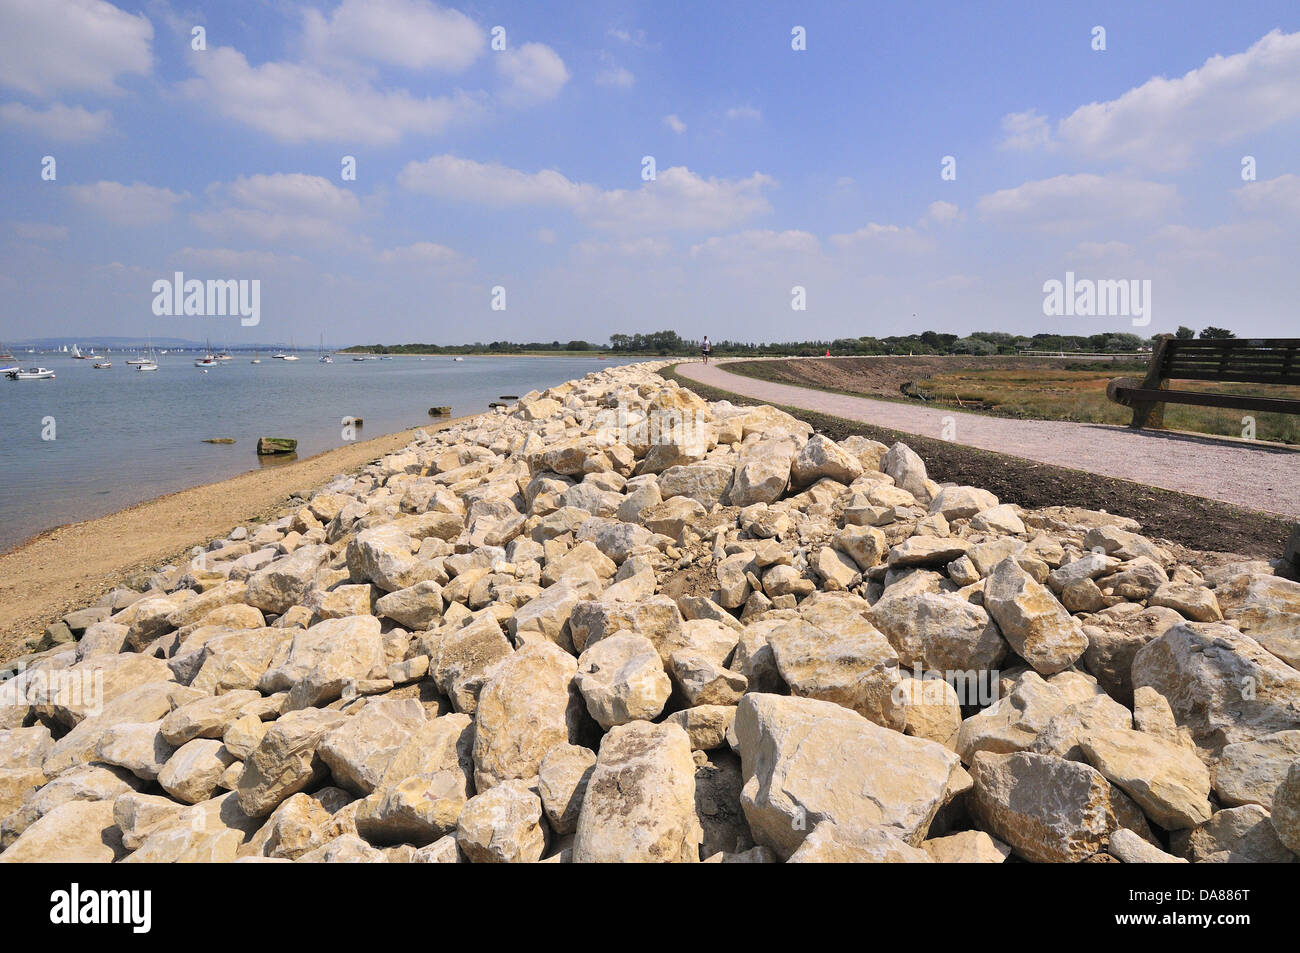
550, 634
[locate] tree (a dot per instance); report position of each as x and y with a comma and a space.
1216, 334
1184, 333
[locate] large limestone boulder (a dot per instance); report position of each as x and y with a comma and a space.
762, 472
193, 773
502, 826
1035, 624
206, 717
832, 843
464, 657
1286, 809
562, 782
705, 483
529, 703
1048, 809
805, 761
325, 658
1167, 781
424, 787
416, 607
1221, 684
962, 502
1235, 835
1114, 640
77, 832
359, 751
846, 661
622, 679
938, 631
286, 761
286, 582
1249, 772
820, 457
639, 804
907, 470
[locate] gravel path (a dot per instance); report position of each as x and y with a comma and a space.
1261, 477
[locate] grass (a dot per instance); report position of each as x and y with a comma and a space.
1080, 395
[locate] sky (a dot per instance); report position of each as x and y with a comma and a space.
552, 171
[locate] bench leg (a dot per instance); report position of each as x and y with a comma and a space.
1149, 414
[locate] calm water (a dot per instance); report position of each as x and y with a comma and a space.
122, 436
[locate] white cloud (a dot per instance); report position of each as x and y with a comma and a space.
1162, 123
1273, 195
744, 112
414, 34
47, 46
1026, 130
678, 198
58, 122
1067, 202
297, 103
615, 76
533, 73
281, 206
758, 243
646, 247
135, 204
485, 183
942, 212
877, 236
232, 259
40, 232
422, 253
675, 124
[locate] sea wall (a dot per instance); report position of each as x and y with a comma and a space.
617, 622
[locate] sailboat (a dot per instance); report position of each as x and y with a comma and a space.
149, 363
281, 356
4, 354
208, 359
76, 353
321, 356
256, 359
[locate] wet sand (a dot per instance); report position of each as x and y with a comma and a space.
71, 566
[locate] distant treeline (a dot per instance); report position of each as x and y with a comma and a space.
670, 343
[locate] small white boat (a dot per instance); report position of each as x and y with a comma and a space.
256, 360
206, 361
458, 358
76, 352
147, 366
31, 374
102, 365
137, 361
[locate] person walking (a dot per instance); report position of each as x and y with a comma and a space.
705, 347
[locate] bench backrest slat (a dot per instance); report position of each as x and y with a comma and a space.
1244, 360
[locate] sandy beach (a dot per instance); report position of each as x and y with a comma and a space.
70, 566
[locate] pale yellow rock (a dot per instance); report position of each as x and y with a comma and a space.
968, 847
639, 805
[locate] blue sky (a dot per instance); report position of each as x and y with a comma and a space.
522, 168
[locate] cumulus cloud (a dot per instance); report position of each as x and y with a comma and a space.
533, 73
678, 198
757, 243
675, 124
58, 122
1162, 123
47, 46
295, 102
1067, 202
873, 235
611, 74
134, 204
942, 213
281, 206
414, 34
1273, 195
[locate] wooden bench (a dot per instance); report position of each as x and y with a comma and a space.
1237, 361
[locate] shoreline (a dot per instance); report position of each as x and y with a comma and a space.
69, 566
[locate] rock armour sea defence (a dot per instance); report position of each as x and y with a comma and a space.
576, 629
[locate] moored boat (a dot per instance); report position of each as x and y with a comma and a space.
31, 374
